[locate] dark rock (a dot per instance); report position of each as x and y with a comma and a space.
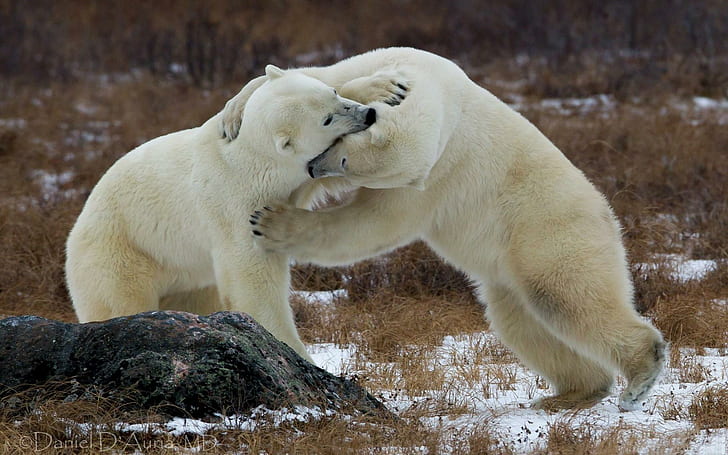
184, 363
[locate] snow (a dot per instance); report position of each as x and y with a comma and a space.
507, 413
683, 269
694, 269
335, 52
50, 184
321, 297
714, 442
570, 106
177, 68
179, 426
86, 109
13, 123
697, 110
709, 103
602, 104
332, 358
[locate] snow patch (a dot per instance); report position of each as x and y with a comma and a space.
683, 269
504, 408
86, 108
13, 123
709, 103
322, 297
603, 104
334, 359
710, 442
50, 184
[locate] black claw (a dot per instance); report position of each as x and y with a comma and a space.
258, 233
403, 87
252, 221
259, 213
401, 97
268, 208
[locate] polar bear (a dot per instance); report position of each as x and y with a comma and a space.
456, 167
167, 225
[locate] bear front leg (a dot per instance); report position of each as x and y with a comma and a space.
258, 284
370, 225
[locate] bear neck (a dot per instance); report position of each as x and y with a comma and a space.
273, 174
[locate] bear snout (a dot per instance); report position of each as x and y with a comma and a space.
371, 116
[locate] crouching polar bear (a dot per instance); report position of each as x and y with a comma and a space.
456, 167
169, 220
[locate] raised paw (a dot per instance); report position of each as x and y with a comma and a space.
396, 86
279, 228
387, 86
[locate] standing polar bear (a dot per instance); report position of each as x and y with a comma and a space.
456, 167
167, 225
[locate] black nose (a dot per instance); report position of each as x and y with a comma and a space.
371, 117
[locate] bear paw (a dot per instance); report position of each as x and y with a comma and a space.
281, 228
570, 400
386, 86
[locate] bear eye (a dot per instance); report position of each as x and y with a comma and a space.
327, 122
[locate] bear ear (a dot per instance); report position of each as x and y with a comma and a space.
273, 72
283, 144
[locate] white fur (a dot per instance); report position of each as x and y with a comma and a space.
167, 225
493, 196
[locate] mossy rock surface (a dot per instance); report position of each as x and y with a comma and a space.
183, 363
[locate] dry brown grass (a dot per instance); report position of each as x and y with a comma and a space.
709, 409
566, 437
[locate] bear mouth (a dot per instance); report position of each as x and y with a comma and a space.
336, 141
333, 144
313, 165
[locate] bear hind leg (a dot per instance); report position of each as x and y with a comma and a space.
609, 332
112, 298
578, 381
118, 285
202, 301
